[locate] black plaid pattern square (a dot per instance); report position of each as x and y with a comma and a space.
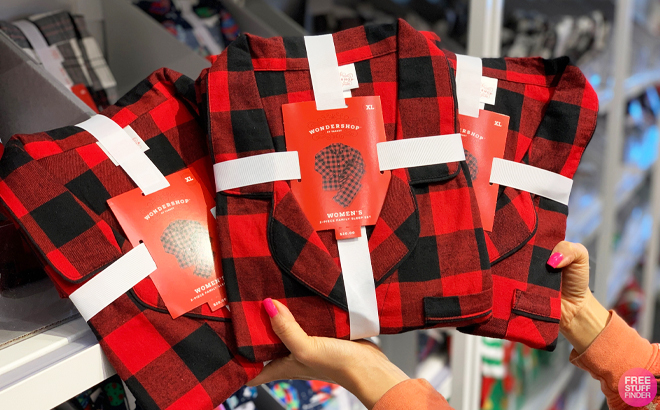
203, 352
90, 190
254, 137
417, 79
62, 231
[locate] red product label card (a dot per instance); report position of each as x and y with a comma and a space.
178, 229
341, 186
484, 138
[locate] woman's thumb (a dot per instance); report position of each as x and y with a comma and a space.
286, 328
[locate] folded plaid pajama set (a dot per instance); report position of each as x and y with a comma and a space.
55, 185
428, 250
553, 111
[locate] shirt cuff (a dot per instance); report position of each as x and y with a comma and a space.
617, 349
418, 390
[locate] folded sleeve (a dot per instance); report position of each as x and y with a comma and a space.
416, 392
617, 349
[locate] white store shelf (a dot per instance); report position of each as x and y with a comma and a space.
587, 223
45, 370
633, 86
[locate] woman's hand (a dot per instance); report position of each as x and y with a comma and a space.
359, 366
582, 316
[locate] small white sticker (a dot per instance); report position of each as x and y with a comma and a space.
136, 139
348, 77
488, 90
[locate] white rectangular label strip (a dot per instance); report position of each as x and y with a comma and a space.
468, 84
417, 152
531, 179
134, 136
324, 70
257, 169
360, 288
50, 56
113, 281
123, 149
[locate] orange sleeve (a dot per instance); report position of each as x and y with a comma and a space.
412, 393
617, 349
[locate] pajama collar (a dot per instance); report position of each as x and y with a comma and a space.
238, 127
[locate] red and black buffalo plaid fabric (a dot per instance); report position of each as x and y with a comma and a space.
428, 250
553, 111
18, 265
342, 168
55, 184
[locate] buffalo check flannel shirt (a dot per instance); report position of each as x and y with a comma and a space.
428, 249
55, 185
552, 112
342, 168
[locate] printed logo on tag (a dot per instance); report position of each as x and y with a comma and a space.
341, 186
136, 139
484, 138
178, 229
348, 77
488, 90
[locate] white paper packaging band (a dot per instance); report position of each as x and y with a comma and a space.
531, 179
417, 152
50, 56
256, 169
360, 288
468, 84
324, 70
113, 281
127, 154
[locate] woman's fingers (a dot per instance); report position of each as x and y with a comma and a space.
287, 329
566, 253
281, 369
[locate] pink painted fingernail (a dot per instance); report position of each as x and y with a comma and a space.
555, 259
270, 307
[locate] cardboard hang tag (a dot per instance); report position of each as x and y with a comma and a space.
341, 186
177, 226
488, 90
348, 76
484, 138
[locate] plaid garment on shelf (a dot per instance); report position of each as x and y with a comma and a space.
55, 184
553, 111
342, 168
428, 250
18, 37
83, 60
